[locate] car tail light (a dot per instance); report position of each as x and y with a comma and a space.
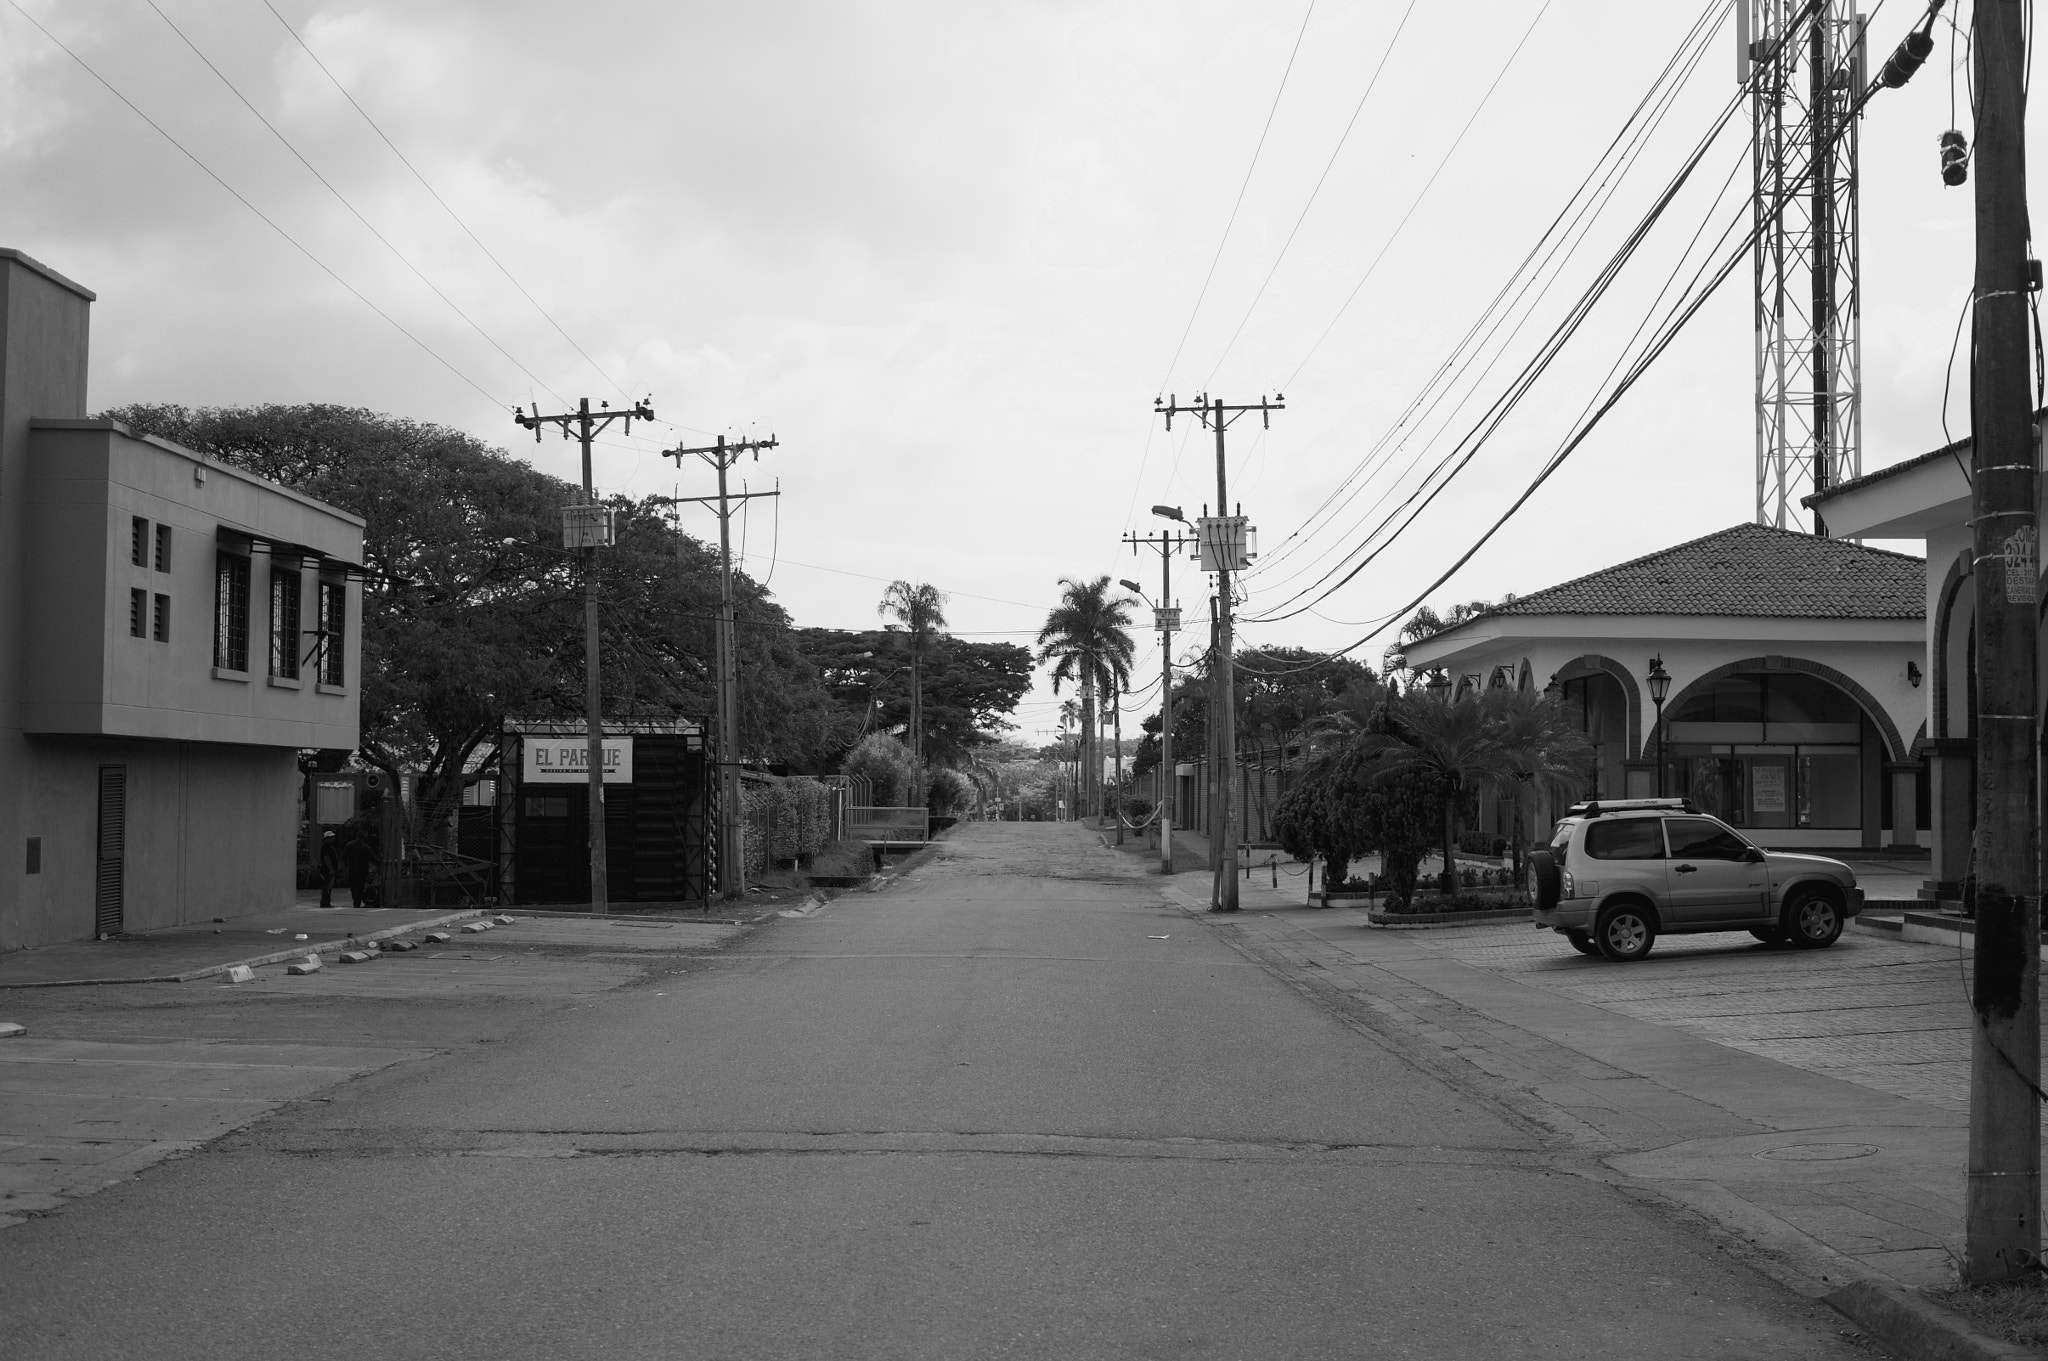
1568, 889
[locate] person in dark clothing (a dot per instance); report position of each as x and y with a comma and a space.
361, 859
329, 866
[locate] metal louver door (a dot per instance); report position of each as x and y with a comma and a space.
113, 843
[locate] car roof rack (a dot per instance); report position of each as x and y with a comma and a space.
1595, 807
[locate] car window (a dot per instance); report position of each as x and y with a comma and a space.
1632, 839
1564, 835
1703, 839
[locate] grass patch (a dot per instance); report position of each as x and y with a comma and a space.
2017, 1313
843, 860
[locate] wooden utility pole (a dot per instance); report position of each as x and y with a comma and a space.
586, 532
1165, 618
732, 864
1226, 547
2003, 1204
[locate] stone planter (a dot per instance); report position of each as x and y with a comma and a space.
1322, 899
1377, 917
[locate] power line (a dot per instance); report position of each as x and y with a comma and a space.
267, 221
1328, 165
1539, 270
436, 195
343, 200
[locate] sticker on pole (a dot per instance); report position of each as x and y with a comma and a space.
2022, 565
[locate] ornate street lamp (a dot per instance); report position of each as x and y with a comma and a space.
1660, 686
1439, 686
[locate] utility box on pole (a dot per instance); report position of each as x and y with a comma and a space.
587, 527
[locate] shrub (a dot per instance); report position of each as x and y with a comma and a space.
787, 821
887, 766
948, 794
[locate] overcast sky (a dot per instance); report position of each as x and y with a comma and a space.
947, 253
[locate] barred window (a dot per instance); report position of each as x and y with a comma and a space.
285, 595
231, 612
138, 614
333, 631
160, 624
163, 548
138, 541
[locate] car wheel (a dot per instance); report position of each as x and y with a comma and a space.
1625, 932
1815, 920
1582, 942
1770, 935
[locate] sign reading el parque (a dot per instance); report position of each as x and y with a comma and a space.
565, 760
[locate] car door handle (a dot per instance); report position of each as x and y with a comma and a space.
1688, 869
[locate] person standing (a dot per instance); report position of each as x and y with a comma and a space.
329, 866
361, 859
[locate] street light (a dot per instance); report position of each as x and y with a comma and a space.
1169, 513
1660, 686
1439, 685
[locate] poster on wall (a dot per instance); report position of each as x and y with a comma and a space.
565, 760
1767, 788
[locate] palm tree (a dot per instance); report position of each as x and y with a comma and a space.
1456, 743
920, 608
1543, 748
1087, 639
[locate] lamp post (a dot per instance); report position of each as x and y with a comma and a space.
1660, 686
1438, 685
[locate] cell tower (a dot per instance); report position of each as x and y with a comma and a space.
1803, 62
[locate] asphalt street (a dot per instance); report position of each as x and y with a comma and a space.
1016, 1105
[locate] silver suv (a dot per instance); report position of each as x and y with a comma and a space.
1619, 873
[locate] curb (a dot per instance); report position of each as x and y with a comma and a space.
1397, 920
257, 961
1907, 1325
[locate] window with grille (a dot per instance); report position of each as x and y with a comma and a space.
138, 541
231, 612
284, 620
160, 620
163, 548
138, 614
333, 630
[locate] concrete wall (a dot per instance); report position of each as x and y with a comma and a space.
211, 830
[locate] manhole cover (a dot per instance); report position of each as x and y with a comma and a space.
1820, 1153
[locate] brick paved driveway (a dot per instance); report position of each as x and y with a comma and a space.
1887, 1014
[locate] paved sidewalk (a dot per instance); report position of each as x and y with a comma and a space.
1816, 1103
177, 953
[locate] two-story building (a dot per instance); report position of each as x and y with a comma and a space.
173, 632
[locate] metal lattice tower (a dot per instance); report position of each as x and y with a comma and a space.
1803, 61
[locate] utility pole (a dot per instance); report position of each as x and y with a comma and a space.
586, 527
1165, 618
2002, 1231
732, 865
1226, 545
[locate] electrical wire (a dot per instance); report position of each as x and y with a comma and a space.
453, 216
1328, 165
343, 200
1538, 271
265, 218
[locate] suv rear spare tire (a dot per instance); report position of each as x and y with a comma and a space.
1625, 931
1546, 880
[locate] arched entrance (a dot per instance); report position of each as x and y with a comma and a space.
1792, 756
1601, 694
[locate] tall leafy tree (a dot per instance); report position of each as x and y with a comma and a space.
920, 608
969, 688
1453, 744
1087, 639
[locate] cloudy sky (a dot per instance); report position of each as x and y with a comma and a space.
949, 254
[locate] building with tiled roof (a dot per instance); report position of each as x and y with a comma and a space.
1793, 665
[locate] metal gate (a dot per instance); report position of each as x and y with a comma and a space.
113, 847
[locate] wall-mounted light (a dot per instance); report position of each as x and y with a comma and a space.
199, 472
1913, 674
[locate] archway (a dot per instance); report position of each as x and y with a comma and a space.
1602, 694
1791, 751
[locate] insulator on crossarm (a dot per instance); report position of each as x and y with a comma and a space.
1955, 158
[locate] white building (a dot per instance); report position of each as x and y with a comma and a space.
1796, 670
